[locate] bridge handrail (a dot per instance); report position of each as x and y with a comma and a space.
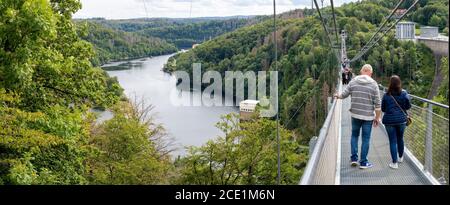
421, 99
429, 101
427, 138
426, 163
313, 160
307, 174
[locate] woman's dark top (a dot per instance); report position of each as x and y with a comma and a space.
392, 113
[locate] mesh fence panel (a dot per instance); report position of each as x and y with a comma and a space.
426, 122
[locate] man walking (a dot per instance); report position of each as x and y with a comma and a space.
365, 111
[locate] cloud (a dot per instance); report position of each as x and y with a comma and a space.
123, 9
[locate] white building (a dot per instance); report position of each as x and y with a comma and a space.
247, 108
405, 30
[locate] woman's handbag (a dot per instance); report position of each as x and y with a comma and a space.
408, 118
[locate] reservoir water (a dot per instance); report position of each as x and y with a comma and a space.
188, 125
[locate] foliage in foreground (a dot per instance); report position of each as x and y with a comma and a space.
63, 146
46, 86
45, 147
43, 60
246, 154
128, 149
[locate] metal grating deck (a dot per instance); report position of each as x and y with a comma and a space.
379, 156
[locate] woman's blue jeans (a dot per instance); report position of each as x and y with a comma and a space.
365, 127
396, 143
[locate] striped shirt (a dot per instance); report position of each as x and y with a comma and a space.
365, 97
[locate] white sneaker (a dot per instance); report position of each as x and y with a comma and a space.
393, 165
400, 159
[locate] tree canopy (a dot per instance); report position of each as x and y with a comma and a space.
245, 154
115, 45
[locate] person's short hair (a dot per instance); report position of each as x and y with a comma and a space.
367, 68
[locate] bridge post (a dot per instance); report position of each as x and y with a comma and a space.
429, 140
329, 103
312, 144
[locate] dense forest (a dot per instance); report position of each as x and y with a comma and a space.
46, 84
114, 45
116, 40
183, 33
307, 64
427, 12
49, 84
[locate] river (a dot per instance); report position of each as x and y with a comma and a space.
188, 125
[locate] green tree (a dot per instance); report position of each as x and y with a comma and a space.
129, 149
443, 91
44, 61
246, 154
47, 84
46, 147
435, 20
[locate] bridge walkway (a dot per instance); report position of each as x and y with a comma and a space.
379, 156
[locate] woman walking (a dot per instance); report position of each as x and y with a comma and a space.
394, 104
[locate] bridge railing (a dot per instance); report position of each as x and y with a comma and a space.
427, 138
324, 159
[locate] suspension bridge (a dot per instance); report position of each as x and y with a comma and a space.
426, 139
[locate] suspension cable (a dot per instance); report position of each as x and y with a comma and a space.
323, 23
334, 20
371, 44
190, 10
327, 33
384, 23
308, 96
278, 109
145, 8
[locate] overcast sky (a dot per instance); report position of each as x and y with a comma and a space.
125, 9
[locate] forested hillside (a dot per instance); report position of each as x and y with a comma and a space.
114, 45
432, 13
181, 32
185, 35
306, 63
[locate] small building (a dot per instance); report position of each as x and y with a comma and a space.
429, 32
405, 30
247, 109
195, 45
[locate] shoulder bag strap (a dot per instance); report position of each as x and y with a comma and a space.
406, 114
